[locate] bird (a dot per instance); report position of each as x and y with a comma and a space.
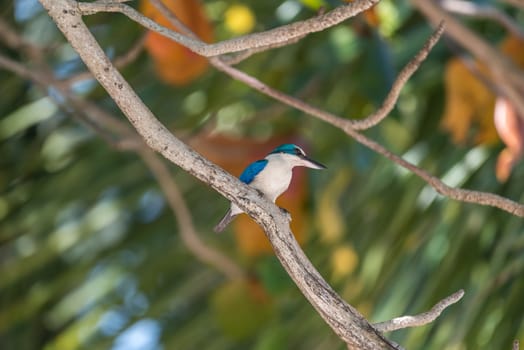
271, 176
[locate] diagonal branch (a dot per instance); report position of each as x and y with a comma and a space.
343, 319
463, 195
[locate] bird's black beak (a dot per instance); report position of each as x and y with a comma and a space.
313, 164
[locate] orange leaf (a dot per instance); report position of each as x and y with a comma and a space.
505, 162
469, 106
175, 63
371, 17
469, 103
514, 48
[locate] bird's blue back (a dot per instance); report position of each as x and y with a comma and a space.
252, 170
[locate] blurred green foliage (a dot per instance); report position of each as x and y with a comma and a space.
91, 257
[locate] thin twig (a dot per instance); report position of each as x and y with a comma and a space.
274, 36
401, 80
420, 319
471, 9
241, 56
15, 41
516, 3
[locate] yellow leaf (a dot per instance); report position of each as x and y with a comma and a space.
329, 217
314, 5
344, 260
468, 113
239, 19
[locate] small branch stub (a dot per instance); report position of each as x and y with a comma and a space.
420, 319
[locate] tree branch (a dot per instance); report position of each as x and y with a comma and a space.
230, 59
252, 41
420, 319
343, 319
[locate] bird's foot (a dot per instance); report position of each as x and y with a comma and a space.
286, 213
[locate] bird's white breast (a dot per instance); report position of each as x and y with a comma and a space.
275, 178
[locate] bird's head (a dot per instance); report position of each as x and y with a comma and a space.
296, 156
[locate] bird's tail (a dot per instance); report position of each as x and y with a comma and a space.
224, 222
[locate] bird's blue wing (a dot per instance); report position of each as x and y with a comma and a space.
252, 170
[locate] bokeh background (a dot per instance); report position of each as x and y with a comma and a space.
91, 256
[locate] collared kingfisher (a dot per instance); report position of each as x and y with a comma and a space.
271, 176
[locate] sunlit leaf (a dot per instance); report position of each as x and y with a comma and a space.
329, 218
26, 116
313, 4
